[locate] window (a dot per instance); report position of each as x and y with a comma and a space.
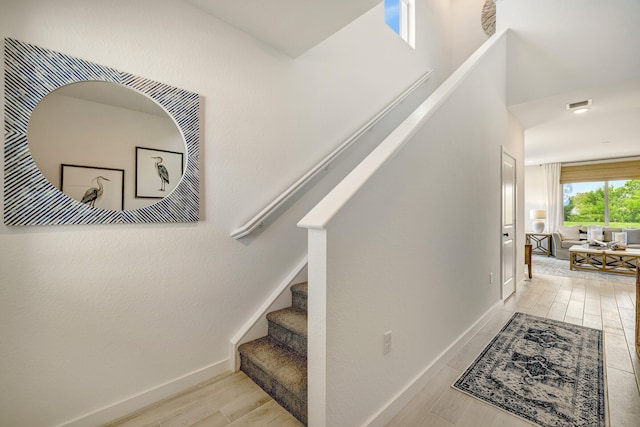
608, 203
400, 17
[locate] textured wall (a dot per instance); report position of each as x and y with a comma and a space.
95, 315
466, 29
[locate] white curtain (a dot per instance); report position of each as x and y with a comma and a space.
554, 196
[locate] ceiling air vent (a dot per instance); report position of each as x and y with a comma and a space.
579, 105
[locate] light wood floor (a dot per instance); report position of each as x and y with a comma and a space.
593, 303
234, 400
231, 399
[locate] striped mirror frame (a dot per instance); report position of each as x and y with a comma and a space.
31, 73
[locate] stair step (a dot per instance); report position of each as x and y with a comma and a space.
299, 296
280, 372
289, 326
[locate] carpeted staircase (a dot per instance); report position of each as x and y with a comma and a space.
278, 361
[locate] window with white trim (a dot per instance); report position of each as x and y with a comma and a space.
399, 15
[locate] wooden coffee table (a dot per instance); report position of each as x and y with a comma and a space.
606, 261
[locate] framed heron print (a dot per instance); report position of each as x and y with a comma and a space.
94, 186
157, 172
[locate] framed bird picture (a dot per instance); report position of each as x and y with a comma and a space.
94, 186
157, 172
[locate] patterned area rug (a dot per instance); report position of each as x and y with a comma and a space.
547, 372
560, 267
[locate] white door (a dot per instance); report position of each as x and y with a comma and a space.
508, 224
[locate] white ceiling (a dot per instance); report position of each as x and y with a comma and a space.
569, 51
610, 129
291, 26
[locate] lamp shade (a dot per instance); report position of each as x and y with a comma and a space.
538, 214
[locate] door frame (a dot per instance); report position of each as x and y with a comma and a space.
516, 222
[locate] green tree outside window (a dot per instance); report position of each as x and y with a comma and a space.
588, 207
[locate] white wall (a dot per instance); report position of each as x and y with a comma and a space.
541, 64
94, 316
406, 244
467, 34
535, 193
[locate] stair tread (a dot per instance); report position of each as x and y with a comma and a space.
287, 367
290, 318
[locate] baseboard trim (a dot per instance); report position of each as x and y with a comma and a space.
148, 397
388, 411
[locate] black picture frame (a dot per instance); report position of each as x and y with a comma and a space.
76, 180
149, 183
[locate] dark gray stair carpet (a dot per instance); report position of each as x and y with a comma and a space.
289, 326
278, 362
299, 296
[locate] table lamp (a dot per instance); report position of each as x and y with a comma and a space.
538, 216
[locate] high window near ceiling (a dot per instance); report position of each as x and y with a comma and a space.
605, 194
400, 17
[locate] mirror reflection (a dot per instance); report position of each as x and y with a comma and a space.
106, 145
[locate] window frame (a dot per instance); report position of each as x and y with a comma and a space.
406, 27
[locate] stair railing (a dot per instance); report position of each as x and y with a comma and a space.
259, 219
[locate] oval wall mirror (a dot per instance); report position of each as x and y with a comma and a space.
63, 168
106, 145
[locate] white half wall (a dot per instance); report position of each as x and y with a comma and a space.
95, 320
406, 243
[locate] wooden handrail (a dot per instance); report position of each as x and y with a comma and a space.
259, 219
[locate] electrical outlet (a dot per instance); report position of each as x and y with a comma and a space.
387, 342
491, 278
